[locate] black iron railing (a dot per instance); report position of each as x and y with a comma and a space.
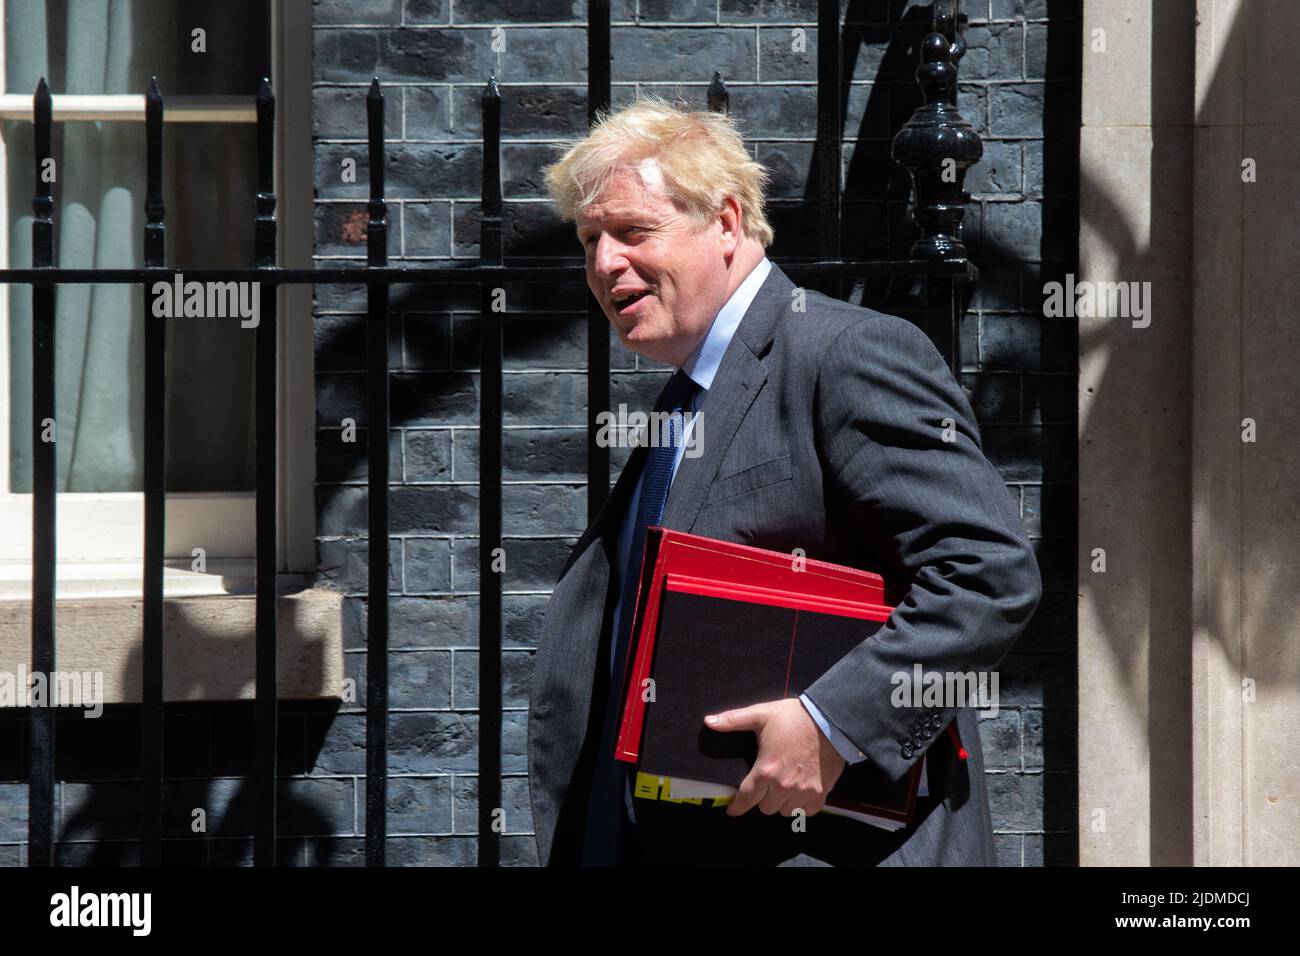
936, 146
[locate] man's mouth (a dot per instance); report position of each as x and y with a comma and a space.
627, 304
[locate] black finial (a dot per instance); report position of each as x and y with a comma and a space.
377, 226
490, 237
937, 145
950, 23
42, 200
155, 244
936, 74
719, 98
264, 241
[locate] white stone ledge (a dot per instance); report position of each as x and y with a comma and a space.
208, 641
75, 580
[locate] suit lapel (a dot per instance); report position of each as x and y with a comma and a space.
740, 377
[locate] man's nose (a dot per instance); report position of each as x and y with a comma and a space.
609, 257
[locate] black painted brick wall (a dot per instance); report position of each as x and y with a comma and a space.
1019, 88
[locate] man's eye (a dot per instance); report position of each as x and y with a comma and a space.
626, 229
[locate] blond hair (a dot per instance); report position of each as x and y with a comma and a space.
700, 154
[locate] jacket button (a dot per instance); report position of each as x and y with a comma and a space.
907, 751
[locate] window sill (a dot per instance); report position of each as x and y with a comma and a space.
208, 628
77, 580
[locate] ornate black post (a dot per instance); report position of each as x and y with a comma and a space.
937, 145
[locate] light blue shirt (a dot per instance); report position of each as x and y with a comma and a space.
702, 365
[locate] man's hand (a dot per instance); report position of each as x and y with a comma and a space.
796, 765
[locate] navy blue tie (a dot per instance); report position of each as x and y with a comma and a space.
607, 830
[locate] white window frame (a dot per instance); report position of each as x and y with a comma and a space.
110, 526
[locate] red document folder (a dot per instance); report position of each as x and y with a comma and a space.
678, 570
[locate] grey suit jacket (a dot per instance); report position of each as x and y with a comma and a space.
841, 431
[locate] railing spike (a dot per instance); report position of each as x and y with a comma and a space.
152, 713
40, 792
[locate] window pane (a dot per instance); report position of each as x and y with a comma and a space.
209, 191
97, 46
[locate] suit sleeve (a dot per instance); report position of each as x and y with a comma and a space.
842, 744
906, 473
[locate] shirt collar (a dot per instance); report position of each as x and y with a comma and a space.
702, 364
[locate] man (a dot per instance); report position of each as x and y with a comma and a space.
824, 427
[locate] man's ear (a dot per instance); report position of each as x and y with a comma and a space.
729, 217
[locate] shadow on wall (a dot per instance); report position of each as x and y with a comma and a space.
209, 789
1137, 258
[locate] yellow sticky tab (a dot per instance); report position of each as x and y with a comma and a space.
647, 786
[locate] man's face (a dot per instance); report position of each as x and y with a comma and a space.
659, 278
